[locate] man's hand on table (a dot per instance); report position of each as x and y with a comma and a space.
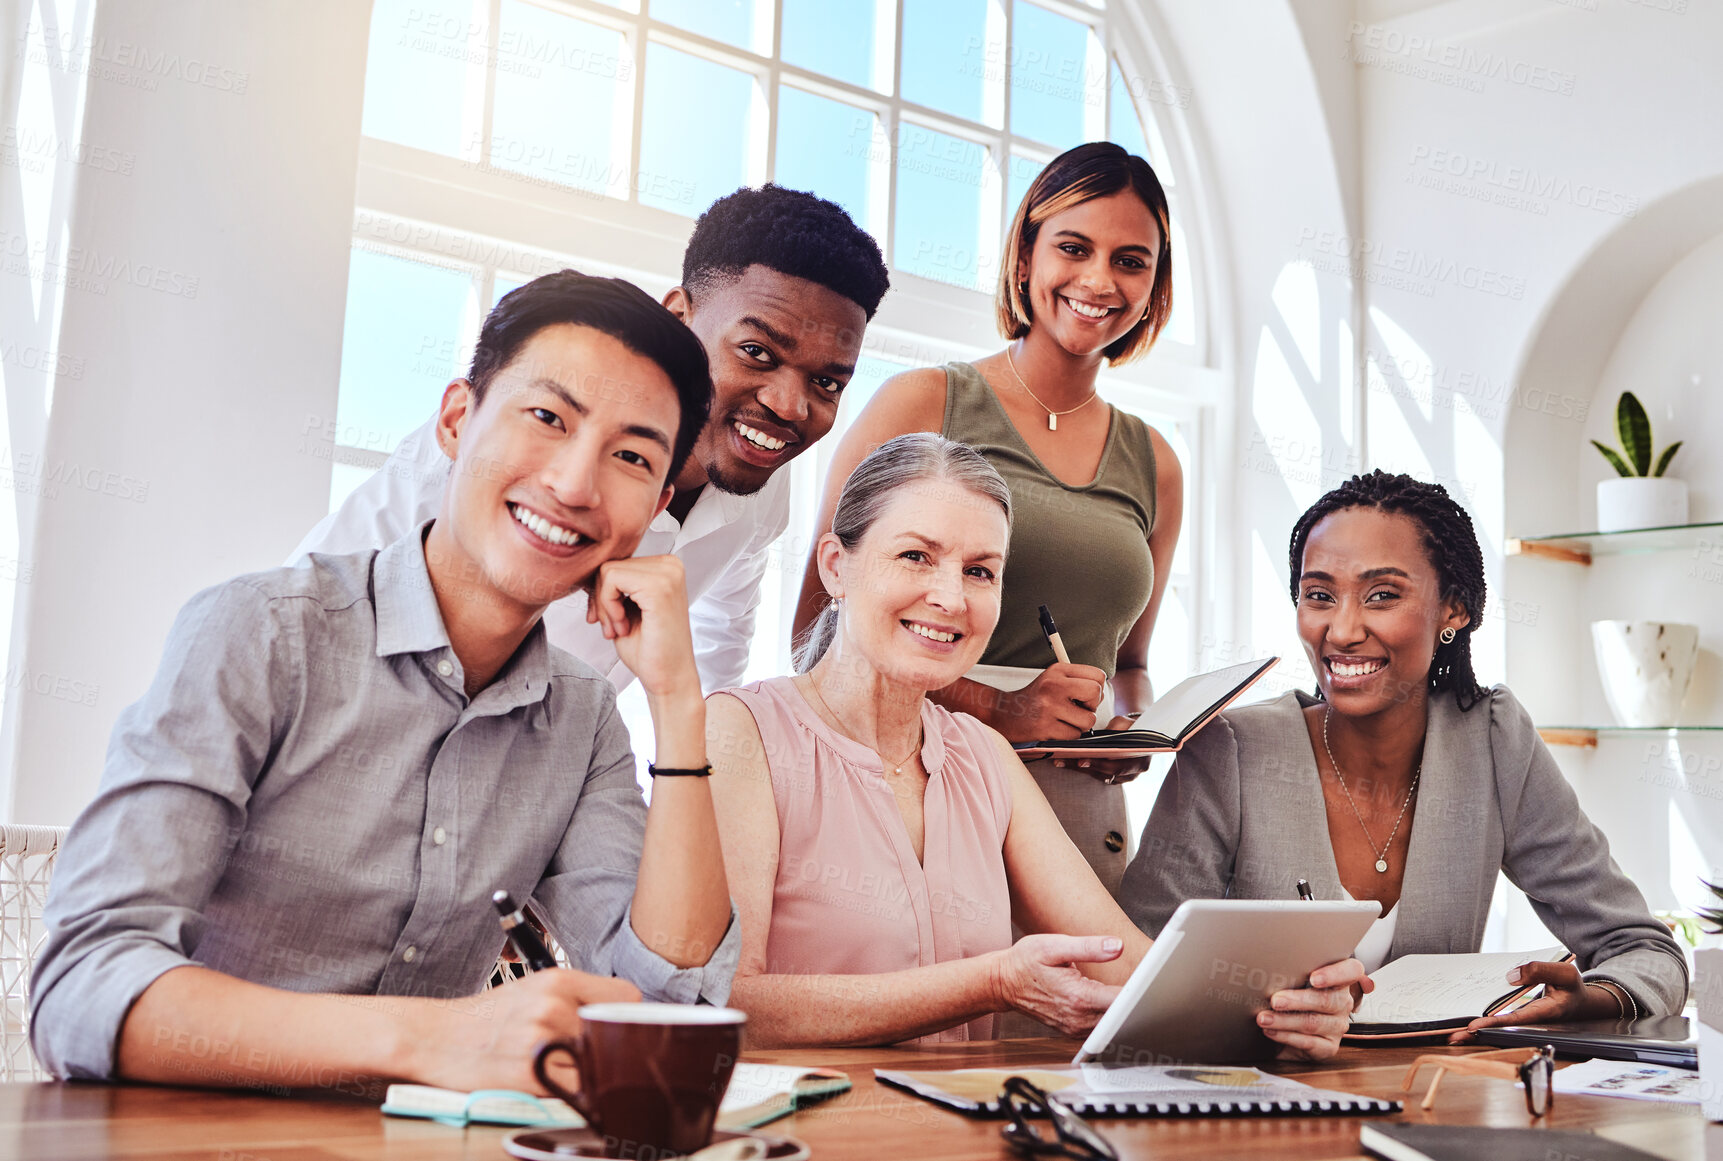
492, 1046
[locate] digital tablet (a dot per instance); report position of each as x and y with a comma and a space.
1668, 1040
1195, 996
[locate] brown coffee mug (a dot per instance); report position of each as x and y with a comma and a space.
651, 1075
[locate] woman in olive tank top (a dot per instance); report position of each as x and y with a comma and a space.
1086, 279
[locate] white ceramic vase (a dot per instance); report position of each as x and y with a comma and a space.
1646, 667
1628, 502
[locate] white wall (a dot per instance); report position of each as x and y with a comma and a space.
1483, 192
1562, 158
205, 304
42, 160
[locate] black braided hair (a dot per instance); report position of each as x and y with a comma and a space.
1453, 549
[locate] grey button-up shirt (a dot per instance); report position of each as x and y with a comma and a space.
306, 798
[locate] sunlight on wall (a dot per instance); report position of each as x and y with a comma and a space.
1689, 870
1478, 462
1394, 446
1300, 305
1349, 389
1274, 625
1407, 373
1288, 438
36, 124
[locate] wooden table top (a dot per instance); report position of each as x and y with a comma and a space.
60, 1122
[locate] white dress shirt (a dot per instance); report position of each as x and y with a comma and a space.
1373, 949
725, 546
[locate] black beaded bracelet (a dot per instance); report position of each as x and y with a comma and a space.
671, 772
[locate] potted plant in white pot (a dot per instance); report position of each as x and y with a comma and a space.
1640, 496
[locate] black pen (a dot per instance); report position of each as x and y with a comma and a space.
1304, 891
1053, 638
527, 944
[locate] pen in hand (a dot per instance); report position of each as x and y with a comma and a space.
527, 944
1053, 638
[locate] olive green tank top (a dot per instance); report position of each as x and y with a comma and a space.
1081, 551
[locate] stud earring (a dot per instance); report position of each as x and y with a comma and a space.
1447, 635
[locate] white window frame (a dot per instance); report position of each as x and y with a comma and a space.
464, 212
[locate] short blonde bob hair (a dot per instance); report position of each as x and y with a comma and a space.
1096, 170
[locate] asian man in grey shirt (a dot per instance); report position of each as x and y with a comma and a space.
337, 764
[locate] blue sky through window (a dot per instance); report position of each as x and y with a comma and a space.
1018, 175
400, 347
694, 145
835, 37
939, 180
415, 77
557, 98
945, 63
828, 147
734, 21
1049, 59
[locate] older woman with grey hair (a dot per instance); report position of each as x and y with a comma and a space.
879, 846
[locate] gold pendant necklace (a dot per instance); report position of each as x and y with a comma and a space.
1052, 416
1381, 855
897, 766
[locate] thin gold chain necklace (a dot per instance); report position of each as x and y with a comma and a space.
897, 766
1052, 416
1381, 855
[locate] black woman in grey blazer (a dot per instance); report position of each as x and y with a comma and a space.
1403, 780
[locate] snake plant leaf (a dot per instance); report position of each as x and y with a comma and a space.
1711, 916
1634, 428
1615, 461
1663, 460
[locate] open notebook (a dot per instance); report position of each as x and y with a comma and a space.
1167, 724
758, 1093
1426, 995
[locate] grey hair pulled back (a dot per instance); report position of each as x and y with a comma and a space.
897, 463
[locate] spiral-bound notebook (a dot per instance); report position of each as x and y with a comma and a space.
1144, 1091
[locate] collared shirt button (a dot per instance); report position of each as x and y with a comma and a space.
439, 836
445, 667
1114, 841
411, 954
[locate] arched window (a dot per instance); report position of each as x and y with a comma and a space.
507, 138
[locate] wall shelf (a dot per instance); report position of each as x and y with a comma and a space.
1581, 547
1587, 735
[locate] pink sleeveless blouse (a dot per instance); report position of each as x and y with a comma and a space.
850, 897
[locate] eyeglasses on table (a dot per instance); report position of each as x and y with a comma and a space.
1534, 1068
1072, 1135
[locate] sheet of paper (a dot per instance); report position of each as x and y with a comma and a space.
1641, 1082
1415, 988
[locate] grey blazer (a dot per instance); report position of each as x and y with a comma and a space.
1241, 816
